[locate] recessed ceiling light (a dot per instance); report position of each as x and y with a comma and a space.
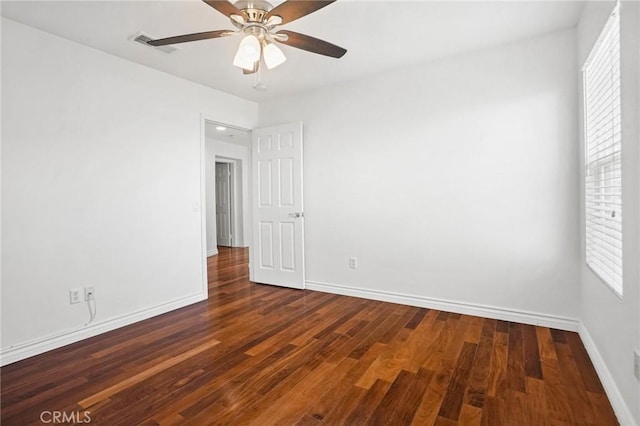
221, 128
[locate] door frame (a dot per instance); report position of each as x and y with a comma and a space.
247, 237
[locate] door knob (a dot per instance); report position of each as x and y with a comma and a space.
296, 215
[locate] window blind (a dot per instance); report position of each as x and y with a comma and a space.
603, 166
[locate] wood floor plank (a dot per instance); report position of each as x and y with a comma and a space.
602, 409
316, 327
106, 393
427, 412
378, 329
516, 408
532, 367
420, 342
401, 401
347, 403
580, 404
417, 318
307, 420
546, 349
556, 393
389, 362
436, 350
515, 360
265, 355
362, 339
498, 366
470, 416
585, 367
453, 349
296, 402
227, 374
368, 403
537, 401
454, 397
494, 412
334, 394
475, 330
478, 381
502, 326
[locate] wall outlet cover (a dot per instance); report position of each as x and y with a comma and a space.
74, 295
89, 293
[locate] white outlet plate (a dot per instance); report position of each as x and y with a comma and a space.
75, 295
89, 293
636, 364
353, 262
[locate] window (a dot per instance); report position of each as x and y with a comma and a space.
603, 171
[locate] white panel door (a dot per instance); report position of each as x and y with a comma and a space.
223, 204
277, 247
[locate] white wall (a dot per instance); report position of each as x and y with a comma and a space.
101, 186
453, 180
241, 153
613, 324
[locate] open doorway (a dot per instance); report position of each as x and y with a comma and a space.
267, 164
227, 160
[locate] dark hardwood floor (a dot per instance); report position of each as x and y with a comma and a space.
257, 354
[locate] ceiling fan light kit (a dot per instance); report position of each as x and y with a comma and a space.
257, 20
241, 61
249, 48
272, 55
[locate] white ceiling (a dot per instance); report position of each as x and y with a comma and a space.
379, 35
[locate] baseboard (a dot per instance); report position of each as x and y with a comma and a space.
533, 318
35, 347
623, 412
212, 252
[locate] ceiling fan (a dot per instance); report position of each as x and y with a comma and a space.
257, 21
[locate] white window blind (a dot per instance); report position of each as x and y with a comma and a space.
603, 171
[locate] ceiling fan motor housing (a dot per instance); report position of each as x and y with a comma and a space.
255, 10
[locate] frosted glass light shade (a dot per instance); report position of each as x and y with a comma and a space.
273, 56
241, 62
249, 48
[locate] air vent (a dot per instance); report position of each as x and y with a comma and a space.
143, 38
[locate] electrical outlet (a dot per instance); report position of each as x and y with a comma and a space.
89, 293
74, 295
353, 262
636, 364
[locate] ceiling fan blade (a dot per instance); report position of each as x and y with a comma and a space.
224, 7
190, 37
291, 10
311, 44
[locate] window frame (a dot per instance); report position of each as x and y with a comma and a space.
594, 241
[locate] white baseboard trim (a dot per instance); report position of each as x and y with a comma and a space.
212, 252
533, 318
37, 346
621, 409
